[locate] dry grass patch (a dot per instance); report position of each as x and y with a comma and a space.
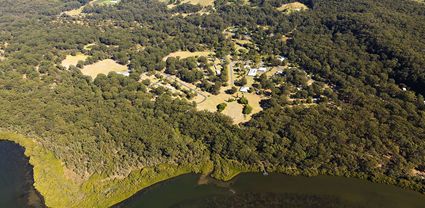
103, 67
74, 12
254, 101
272, 72
88, 47
243, 42
73, 60
210, 104
187, 54
292, 7
234, 111
200, 2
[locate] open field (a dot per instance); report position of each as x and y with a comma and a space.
233, 109
73, 60
292, 7
187, 54
254, 102
103, 67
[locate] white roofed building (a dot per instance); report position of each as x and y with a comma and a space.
252, 72
262, 69
126, 73
244, 89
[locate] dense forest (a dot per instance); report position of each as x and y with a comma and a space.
371, 52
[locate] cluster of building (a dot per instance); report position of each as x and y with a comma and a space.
254, 71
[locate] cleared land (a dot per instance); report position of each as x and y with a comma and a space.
187, 54
79, 11
233, 109
200, 2
73, 60
103, 67
292, 7
194, 2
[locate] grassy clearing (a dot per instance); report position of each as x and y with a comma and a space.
194, 2
73, 60
187, 54
61, 191
292, 7
103, 67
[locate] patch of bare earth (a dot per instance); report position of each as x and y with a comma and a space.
418, 173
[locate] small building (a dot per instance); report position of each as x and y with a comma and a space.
126, 74
282, 58
252, 72
218, 72
244, 89
262, 69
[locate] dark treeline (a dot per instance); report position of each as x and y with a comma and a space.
365, 50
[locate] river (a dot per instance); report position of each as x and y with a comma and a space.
274, 190
16, 178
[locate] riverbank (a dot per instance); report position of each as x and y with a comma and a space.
52, 179
16, 178
60, 191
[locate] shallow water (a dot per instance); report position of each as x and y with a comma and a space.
275, 190
16, 178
